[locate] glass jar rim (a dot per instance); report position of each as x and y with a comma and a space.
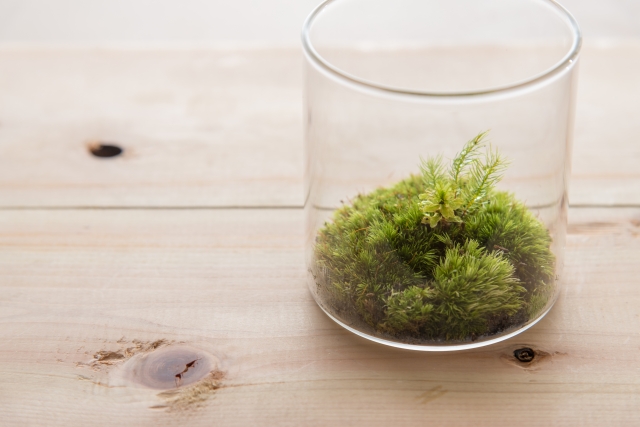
567, 60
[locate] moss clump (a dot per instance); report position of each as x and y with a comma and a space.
440, 256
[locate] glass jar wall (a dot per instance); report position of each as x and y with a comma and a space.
438, 143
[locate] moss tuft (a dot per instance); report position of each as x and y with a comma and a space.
439, 256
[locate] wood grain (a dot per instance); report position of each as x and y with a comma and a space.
199, 127
87, 295
222, 127
605, 165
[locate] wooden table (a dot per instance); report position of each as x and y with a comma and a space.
116, 272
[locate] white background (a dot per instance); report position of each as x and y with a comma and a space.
226, 21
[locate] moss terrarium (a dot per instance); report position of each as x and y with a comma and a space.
442, 257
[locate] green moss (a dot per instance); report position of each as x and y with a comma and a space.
440, 256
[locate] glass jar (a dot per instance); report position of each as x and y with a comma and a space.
438, 144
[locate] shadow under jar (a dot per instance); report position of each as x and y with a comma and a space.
438, 144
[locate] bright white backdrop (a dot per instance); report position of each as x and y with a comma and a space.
225, 21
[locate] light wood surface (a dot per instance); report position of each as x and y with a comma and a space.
98, 304
199, 127
79, 285
223, 127
606, 158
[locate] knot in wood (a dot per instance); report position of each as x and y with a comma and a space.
104, 150
525, 354
171, 367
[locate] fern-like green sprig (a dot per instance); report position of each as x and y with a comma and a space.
449, 197
432, 171
482, 178
466, 156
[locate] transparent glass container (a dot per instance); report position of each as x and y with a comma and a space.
438, 260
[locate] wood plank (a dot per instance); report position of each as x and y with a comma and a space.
222, 127
85, 294
199, 127
606, 156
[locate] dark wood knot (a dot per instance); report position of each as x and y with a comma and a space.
524, 355
104, 150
